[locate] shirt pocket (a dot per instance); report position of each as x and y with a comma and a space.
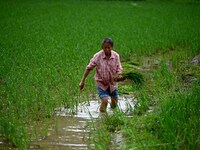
113, 66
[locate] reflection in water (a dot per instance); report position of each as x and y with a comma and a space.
91, 108
5, 145
68, 133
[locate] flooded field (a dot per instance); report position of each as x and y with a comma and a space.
66, 133
70, 132
90, 109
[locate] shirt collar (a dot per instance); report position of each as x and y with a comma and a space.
111, 57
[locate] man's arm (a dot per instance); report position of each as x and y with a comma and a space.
89, 67
82, 83
119, 76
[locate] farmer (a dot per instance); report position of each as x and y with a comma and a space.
108, 66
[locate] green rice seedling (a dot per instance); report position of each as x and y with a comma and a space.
143, 101
99, 136
105, 127
139, 133
18, 135
115, 121
102, 138
179, 120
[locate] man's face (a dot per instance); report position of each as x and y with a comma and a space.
107, 48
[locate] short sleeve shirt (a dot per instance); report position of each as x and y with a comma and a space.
105, 69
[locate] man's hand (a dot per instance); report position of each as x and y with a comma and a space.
119, 78
81, 85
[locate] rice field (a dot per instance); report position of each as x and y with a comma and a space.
46, 45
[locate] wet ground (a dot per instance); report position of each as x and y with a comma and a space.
70, 132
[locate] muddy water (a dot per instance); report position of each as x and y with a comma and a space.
70, 132
67, 133
91, 109
5, 145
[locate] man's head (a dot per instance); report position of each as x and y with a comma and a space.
107, 46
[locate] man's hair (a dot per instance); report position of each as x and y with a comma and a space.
107, 40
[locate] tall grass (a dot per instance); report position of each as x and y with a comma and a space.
45, 46
179, 120
173, 123
104, 129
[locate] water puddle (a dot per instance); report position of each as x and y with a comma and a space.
67, 133
70, 132
5, 145
91, 109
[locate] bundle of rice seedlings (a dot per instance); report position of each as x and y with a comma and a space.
136, 77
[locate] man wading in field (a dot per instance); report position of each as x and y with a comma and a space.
108, 66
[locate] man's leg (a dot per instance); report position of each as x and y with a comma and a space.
104, 99
114, 98
104, 103
114, 102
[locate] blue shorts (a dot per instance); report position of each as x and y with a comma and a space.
107, 93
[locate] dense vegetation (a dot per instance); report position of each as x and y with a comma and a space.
45, 46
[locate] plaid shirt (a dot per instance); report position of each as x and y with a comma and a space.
105, 69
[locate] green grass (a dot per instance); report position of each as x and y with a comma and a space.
179, 119
174, 125
46, 45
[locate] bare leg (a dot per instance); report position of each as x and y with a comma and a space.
104, 103
114, 102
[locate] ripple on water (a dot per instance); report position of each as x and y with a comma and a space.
91, 108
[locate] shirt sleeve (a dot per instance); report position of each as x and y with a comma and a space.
119, 66
92, 63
